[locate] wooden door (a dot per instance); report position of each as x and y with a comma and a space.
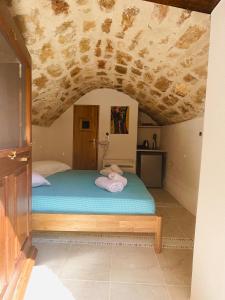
85, 138
15, 159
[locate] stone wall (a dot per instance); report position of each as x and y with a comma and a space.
156, 54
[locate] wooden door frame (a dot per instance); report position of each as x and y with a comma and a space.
13, 36
98, 107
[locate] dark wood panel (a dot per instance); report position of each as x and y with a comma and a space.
85, 147
205, 6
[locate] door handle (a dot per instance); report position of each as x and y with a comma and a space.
12, 155
92, 141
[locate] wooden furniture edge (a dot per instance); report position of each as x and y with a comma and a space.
100, 223
25, 275
198, 5
16, 289
13, 34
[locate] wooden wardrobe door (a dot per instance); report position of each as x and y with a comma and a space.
14, 212
2, 242
16, 251
10, 222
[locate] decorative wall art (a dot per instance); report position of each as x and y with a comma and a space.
119, 119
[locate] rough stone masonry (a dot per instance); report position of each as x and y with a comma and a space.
156, 54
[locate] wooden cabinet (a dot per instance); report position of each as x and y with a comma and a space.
16, 250
2, 241
15, 230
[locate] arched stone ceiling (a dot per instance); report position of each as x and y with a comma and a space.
156, 54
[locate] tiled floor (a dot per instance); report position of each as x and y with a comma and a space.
177, 221
84, 272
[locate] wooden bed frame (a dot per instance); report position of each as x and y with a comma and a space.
100, 223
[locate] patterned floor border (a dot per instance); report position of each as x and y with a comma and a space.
106, 239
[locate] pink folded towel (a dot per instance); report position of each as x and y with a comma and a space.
118, 177
110, 185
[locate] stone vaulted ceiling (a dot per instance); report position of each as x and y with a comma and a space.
156, 54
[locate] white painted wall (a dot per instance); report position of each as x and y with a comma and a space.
208, 279
122, 146
183, 145
56, 142
39, 142
60, 138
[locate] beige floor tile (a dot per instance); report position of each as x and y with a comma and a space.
87, 262
178, 212
52, 255
133, 264
121, 291
187, 226
88, 271
46, 285
162, 211
176, 266
177, 221
161, 195
87, 290
171, 228
164, 204
179, 292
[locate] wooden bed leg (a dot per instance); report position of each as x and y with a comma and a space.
158, 235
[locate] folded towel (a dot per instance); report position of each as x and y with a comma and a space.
113, 168
106, 171
112, 186
118, 177
116, 169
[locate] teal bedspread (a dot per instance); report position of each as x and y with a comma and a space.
74, 191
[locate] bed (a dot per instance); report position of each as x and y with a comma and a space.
73, 203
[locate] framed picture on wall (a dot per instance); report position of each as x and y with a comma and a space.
119, 119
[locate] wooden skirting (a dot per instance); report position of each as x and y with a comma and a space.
99, 223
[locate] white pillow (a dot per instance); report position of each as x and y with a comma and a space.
49, 167
38, 180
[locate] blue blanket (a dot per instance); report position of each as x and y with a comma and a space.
74, 191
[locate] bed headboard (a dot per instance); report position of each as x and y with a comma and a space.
127, 165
